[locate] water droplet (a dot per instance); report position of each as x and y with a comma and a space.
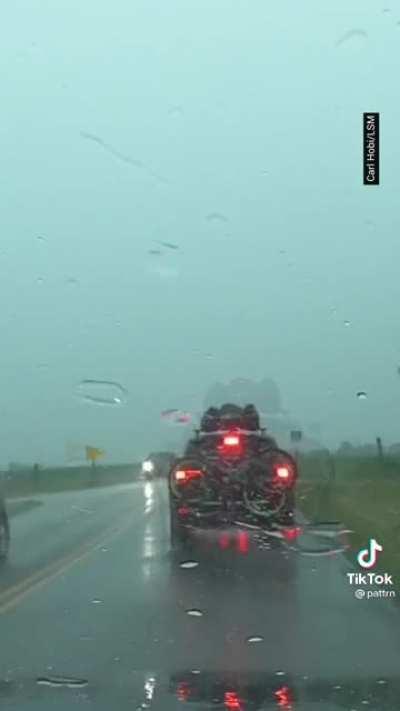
337, 687
101, 392
40, 281
381, 681
194, 613
40, 238
196, 671
362, 395
354, 38
96, 601
104, 550
347, 323
169, 245
71, 683
72, 281
255, 639
280, 673
216, 217
189, 564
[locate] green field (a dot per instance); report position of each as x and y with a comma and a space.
363, 494
53, 480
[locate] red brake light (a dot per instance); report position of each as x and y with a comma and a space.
182, 476
231, 441
282, 472
231, 445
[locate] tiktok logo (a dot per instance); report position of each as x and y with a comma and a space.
367, 557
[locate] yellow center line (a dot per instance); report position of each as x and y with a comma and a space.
13, 595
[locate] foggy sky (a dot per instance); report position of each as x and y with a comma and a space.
231, 129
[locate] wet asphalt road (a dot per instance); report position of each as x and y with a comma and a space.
92, 594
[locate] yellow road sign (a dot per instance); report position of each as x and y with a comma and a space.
93, 453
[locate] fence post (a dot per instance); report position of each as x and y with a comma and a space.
379, 447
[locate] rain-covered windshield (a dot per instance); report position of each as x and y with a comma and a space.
200, 451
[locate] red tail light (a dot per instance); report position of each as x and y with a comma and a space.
284, 697
231, 445
232, 701
182, 476
284, 473
183, 691
292, 533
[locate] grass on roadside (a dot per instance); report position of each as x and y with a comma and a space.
364, 497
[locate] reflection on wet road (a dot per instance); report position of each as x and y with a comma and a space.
113, 620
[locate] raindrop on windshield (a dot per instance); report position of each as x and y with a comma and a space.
216, 217
194, 613
61, 681
170, 245
189, 564
355, 38
101, 392
362, 395
254, 640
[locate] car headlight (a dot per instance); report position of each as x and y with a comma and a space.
148, 466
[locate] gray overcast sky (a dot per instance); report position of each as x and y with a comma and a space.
128, 123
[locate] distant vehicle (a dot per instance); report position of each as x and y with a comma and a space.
4, 532
157, 465
231, 473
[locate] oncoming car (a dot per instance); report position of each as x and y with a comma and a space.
157, 465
